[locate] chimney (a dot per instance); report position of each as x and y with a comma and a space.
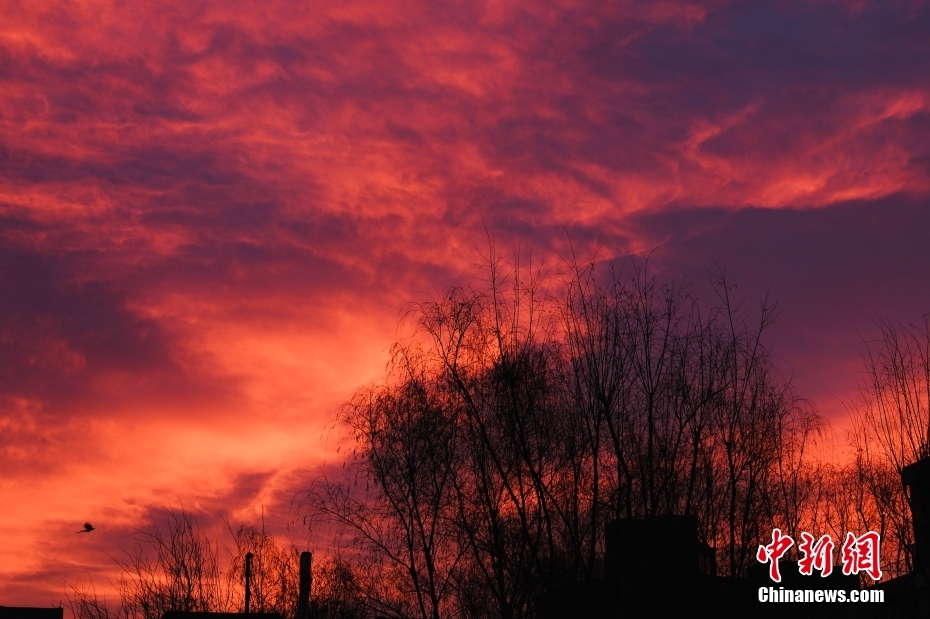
303, 604
248, 580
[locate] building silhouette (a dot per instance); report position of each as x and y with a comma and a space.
29, 612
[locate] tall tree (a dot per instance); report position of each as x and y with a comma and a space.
518, 418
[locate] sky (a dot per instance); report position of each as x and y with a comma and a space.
212, 214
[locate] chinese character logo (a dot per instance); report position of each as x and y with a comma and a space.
816, 556
859, 554
774, 551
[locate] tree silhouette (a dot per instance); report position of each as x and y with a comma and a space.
180, 568
891, 420
518, 418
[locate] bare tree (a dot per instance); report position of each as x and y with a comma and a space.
893, 408
86, 604
173, 570
891, 420
683, 409
336, 593
406, 441
275, 572
179, 568
517, 419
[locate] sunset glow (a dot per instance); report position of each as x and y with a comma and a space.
213, 213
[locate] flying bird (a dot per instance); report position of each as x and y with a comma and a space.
88, 527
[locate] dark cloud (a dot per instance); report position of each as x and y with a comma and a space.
59, 328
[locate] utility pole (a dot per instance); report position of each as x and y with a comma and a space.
248, 580
306, 579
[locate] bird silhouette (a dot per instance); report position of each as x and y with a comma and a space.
88, 527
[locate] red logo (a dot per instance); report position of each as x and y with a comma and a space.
774, 551
819, 555
862, 554
858, 554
